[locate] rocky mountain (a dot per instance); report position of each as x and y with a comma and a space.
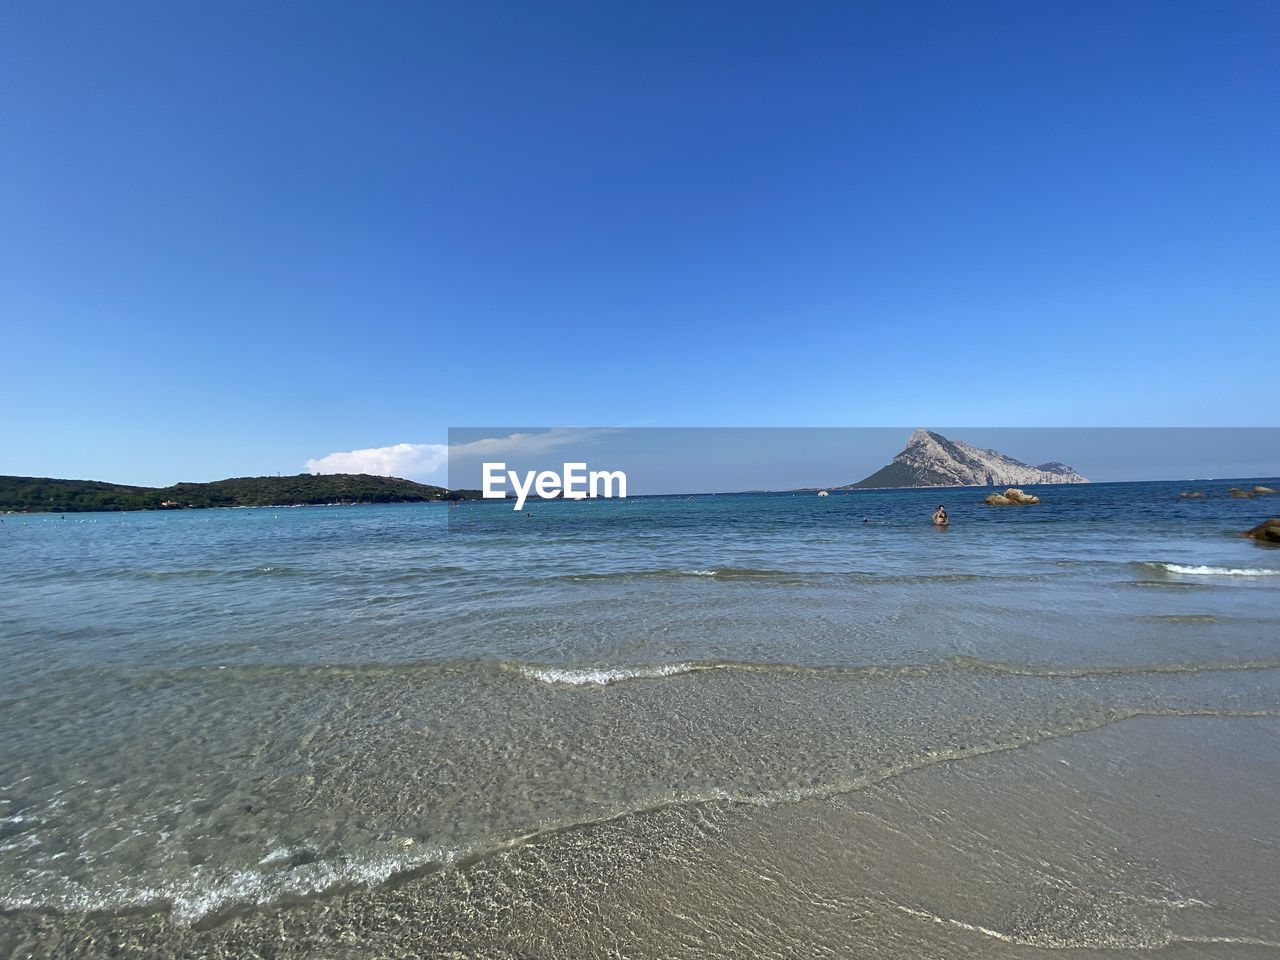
931, 460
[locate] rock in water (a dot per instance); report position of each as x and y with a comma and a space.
1011, 496
1242, 494
1261, 490
1191, 495
931, 460
1267, 531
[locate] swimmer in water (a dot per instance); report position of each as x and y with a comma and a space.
940, 516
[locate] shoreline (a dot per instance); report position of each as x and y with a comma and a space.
859, 870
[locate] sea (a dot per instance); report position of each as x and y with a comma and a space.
767, 724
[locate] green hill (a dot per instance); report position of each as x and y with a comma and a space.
45, 495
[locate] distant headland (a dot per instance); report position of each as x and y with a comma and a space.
47, 495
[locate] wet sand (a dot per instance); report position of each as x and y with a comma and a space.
1148, 836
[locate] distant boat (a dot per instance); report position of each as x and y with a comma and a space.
823, 493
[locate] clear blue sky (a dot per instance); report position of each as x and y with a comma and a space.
238, 236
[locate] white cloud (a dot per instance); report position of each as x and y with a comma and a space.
526, 444
415, 461
408, 460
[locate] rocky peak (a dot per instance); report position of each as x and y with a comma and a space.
920, 436
931, 460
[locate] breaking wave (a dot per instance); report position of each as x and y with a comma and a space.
1205, 571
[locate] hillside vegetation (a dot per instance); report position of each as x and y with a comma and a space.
46, 495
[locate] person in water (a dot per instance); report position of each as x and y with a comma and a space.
940, 516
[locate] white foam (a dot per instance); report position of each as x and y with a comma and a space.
1203, 571
603, 676
204, 891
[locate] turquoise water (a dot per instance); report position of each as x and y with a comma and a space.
204, 710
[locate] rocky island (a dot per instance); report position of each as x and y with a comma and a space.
931, 460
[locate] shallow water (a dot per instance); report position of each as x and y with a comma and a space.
210, 711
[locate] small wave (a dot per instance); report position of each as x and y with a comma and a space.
603, 676
414, 574
263, 569
1205, 571
168, 574
723, 573
1163, 584
792, 577
204, 893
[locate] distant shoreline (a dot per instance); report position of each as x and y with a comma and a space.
20, 495
444, 495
